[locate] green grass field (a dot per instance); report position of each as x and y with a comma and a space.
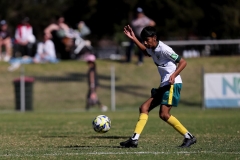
59, 128
69, 135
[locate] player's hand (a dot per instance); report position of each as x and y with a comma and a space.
93, 95
129, 32
172, 79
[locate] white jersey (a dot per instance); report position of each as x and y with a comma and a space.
164, 58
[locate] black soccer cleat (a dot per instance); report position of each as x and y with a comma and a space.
188, 142
129, 143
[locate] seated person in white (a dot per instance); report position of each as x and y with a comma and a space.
45, 51
45, 54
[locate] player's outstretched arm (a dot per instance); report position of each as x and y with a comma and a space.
130, 34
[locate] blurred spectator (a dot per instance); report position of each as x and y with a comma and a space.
59, 32
138, 23
80, 40
59, 26
84, 30
45, 51
45, 54
24, 38
92, 98
5, 41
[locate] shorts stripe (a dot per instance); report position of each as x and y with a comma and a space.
170, 95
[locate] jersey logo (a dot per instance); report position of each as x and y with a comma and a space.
174, 56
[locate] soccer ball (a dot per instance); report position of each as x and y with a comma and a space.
101, 124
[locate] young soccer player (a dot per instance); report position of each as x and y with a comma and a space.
169, 66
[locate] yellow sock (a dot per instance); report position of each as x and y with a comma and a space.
177, 125
141, 123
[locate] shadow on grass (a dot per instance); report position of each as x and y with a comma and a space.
86, 146
70, 77
97, 137
81, 77
55, 136
107, 137
91, 137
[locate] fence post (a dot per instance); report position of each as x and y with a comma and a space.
203, 100
22, 89
113, 107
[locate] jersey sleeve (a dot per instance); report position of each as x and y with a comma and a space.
172, 55
175, 57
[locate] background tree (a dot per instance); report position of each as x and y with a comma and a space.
176, 19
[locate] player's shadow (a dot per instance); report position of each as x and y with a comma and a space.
107, 137
76, 147
91, 137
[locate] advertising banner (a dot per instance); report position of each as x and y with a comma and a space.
222, 90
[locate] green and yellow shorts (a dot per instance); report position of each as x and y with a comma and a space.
167, 95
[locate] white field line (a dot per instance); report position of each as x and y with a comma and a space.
115, 153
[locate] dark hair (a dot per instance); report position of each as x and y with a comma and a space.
25, 20
148, 31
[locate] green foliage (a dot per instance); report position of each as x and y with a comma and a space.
176, 19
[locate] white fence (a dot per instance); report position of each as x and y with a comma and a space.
185, 48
